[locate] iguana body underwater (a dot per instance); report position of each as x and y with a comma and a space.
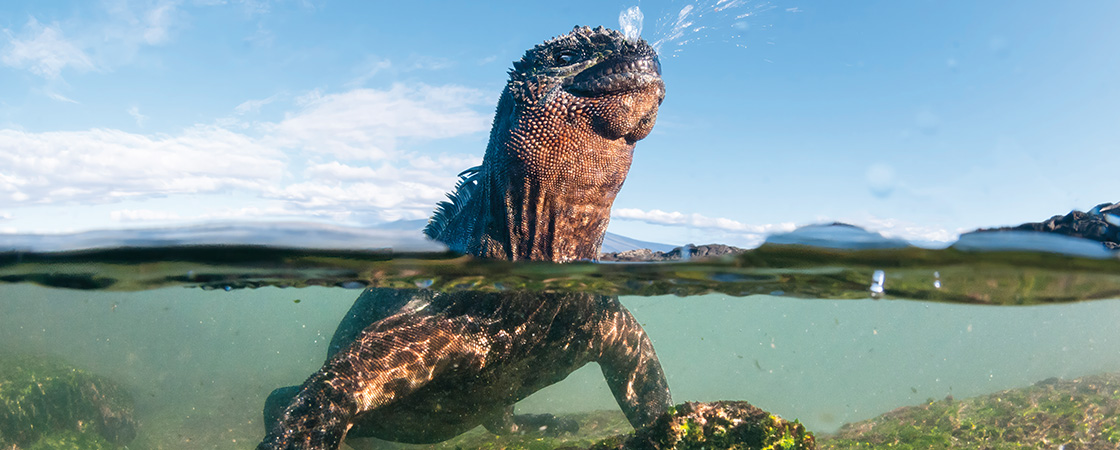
419, 366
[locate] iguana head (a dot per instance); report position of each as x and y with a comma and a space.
615, 82
559, 151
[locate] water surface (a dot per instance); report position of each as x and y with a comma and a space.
200, 334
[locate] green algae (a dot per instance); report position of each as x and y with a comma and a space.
71, 440
717, 425
1078, 414
1083, 413
47, 404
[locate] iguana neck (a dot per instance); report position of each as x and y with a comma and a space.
552, 215
560, 148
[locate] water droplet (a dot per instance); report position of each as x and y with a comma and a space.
228, 288
687, 251
630, 20
877, 280
707, 20
424, 284
880, 180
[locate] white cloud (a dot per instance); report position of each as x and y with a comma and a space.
254, 106
378, 199
98, 166
44, 51
337, 171
274, 169
157, 21
417, 62
659, 217
738, 233
909, 231
134, 111
458, 163
129, 26
142, 215
363, 193
5, 215
369, 69
367, 123
111, 38
152, 215
262, 37
62, 98
256, 7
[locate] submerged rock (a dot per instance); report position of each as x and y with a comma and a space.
689, 426
51, 405
1072, 414
714, 426
1101, 224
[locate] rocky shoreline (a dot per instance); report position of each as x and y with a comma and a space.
1101, 224
677, 254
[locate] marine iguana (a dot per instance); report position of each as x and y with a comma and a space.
560, 148
418, 366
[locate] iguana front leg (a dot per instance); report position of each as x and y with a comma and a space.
632, 370
384, 364
318, 417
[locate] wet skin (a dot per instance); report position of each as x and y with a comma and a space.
420, 367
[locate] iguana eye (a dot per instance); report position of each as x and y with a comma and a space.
565, 57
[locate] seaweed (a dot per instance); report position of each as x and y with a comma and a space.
1072, 414
48, 404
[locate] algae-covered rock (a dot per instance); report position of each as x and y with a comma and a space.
715, 426
72, 440
47, 404
689, 426
1072, 414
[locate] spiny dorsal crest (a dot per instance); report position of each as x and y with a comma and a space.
582, 43
446, 210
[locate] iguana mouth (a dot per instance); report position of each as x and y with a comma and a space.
616, 75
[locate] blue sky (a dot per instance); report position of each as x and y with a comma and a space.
919, 119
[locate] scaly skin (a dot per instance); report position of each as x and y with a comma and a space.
422, 367
450, 362
561, 146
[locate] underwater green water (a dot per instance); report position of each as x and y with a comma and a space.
200, 362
